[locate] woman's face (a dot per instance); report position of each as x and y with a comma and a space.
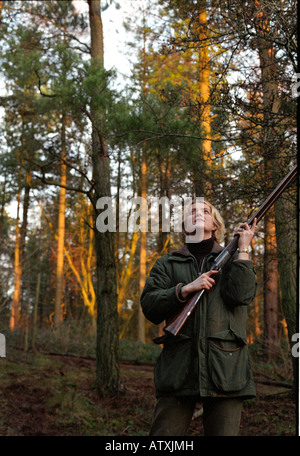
199, 223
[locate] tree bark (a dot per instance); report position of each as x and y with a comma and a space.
256, 331
270, 288
164, 166
143, 243
3, 201
107, 350
285, 209
58, 311
202, 180
35, 310
15, 306
127, 270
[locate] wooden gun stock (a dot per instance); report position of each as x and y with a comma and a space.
175, 324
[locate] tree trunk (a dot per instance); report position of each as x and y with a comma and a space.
143, 244
20, 254
3, 201
117, 238
23, 233
257, 331
285, 209
107, 351
164, 178
204, 87
270, 288
87, 286
35, 310
23, 230
15, 306
58, 313
202, 180
127, 270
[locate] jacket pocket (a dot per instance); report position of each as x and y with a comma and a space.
173, 364
228, 361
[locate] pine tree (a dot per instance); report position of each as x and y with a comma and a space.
108, 377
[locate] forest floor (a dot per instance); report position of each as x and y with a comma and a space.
52, 395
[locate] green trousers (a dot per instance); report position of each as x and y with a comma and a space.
172, 416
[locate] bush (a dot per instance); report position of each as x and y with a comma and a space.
79, 338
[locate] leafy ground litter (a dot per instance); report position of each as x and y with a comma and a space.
46, 395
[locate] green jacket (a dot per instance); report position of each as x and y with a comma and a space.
209, 357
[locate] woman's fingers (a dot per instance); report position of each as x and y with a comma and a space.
206, 281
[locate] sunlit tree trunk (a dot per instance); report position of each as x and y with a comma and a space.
15, 306
144, 207
58, 311
202, 182
143, 244
90, 285
21, 231
83, 274
204, 87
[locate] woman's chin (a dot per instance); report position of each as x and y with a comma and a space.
196, 236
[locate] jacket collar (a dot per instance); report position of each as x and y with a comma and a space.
184, 250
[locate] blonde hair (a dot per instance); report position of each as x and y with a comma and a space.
216, 216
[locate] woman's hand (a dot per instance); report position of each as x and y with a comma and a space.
245, 234
203, 281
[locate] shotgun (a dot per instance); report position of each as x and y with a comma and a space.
175, 323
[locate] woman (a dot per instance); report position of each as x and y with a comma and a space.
208, 360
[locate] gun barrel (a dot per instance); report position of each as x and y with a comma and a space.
268, 203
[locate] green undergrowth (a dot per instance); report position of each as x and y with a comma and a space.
80, 339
